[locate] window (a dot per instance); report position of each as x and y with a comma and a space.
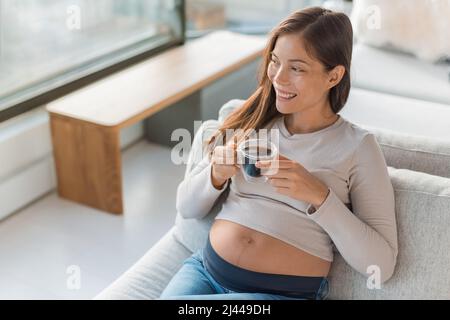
47, 45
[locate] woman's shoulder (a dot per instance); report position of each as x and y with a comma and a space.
363, 141
356, 133
366, 148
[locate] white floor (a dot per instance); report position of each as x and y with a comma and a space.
40, 243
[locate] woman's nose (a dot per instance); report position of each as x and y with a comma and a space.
281, 77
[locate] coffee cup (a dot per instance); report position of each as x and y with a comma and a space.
252, 150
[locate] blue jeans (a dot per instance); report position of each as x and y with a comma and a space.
194, 282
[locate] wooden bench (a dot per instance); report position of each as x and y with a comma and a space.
85, 125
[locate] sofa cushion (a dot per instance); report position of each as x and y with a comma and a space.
423, 217
400, 74
399, 114
228, 107
416, 153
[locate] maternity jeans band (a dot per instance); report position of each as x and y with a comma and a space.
242, 280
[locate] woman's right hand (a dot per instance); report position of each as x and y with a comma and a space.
224, 164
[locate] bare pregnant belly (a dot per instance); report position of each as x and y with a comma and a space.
252, 250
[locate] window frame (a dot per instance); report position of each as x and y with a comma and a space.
60, 91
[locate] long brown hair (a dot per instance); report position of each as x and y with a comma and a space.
328, 36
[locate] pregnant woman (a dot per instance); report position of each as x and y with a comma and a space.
276, 239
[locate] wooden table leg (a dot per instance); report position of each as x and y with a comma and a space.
88, 163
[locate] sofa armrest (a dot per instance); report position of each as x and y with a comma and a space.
148, 277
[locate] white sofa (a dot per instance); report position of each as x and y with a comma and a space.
406, 103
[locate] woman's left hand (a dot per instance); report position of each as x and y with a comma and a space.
293, 180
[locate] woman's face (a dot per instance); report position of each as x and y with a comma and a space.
300, 81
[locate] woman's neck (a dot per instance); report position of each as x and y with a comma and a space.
308, 122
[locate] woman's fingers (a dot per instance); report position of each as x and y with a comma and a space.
280, 183
227, 169
282, 164
279, 174
225, 155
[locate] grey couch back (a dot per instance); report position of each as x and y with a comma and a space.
423, 218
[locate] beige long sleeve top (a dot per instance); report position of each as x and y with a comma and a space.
357, 218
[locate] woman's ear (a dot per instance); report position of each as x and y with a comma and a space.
335, 76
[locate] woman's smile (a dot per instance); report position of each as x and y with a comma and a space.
284, 95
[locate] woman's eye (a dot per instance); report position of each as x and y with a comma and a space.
297, 70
